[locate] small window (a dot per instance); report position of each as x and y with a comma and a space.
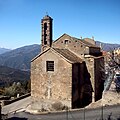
50, 65
66, 41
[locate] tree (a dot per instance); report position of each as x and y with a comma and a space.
15, 89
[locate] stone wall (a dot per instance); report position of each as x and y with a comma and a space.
76, 46
67, 42
95, 66
99, 77
54, 85
95, 51
81, 86
90, 66
46, 32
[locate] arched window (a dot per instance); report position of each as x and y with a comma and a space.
45, 33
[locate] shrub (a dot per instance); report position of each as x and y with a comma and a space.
59, 106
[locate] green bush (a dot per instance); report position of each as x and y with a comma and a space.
15, 89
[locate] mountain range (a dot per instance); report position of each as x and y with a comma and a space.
20, 58
107, 46
10, 75
15, 64
3, 50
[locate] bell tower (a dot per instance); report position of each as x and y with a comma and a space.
46, 38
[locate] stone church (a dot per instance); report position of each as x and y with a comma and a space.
69, 71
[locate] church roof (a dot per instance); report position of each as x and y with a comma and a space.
83, 41
68, 55
64, 53
46, 17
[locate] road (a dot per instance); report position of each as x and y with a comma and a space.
21, 104
84, 114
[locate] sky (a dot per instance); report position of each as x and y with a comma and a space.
20, 20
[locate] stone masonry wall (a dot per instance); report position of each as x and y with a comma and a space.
67, 42
90, 66
99, 77
51, 85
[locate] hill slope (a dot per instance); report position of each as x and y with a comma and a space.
4, 50
107, 46
10, 75
20, 58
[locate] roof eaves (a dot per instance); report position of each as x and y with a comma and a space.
39, 55
91, 56
62, 56
61, 53
61, 37
80, 40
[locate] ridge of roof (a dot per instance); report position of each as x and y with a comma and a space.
80, 40
40, 54
61, 36
65, 53
69, 55
84, 42
47, 17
